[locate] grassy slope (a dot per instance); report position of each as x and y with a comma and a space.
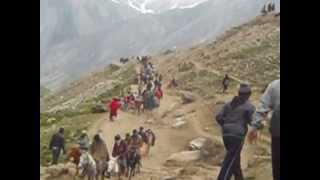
75, 120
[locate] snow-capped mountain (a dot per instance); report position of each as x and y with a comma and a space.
79, 36
159, 6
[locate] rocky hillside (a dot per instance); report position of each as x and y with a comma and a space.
248, 53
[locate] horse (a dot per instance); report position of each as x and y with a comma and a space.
88, 165
124, 60
74, 156
134, 162
113, 167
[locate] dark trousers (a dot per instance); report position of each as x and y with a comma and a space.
231, 164
55, 155
275, 148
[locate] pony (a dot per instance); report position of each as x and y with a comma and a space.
113, 167
134, 162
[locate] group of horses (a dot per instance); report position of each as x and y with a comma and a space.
112, 167
139, 59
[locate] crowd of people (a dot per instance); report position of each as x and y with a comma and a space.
148, 95
93, 158
235, 118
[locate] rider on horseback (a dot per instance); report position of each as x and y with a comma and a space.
120, 151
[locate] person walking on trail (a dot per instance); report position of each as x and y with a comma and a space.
87, 164
136, 138
225, 83
148, 101
114, 106
270, 101
57, 145
234, 119
136, 143
173, 83
139, 102
119, 151
158, 94
127, 139
100, 154
142, 134
84, 140
150, 141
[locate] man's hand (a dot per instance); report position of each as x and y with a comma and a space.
252, 136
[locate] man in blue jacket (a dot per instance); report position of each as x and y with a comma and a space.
56, 145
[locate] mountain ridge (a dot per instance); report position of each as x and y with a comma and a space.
67, 54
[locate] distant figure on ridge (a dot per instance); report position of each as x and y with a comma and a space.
263, 10
225, 83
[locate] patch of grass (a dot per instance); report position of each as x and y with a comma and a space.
111, 69
251, 51
126, 78
203, 82
44, 91
73, 127
185, 66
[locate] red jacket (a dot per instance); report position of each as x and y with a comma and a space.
159, 93
114, 105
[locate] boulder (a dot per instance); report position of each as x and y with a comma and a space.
220, 102
45, 177
184, 157
198, 143
179, 113
53, 171
168, 178
51, 120
187, 97
150, 121
98, 108
42, 170
60, 169
179, 124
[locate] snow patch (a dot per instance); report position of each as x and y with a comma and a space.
189, 6
115, 1
142, 7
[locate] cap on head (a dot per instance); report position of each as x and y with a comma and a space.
244, 89
117, 137
96, 137
61, 130
83, 132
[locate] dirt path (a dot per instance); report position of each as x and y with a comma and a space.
166, 143
200, 123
